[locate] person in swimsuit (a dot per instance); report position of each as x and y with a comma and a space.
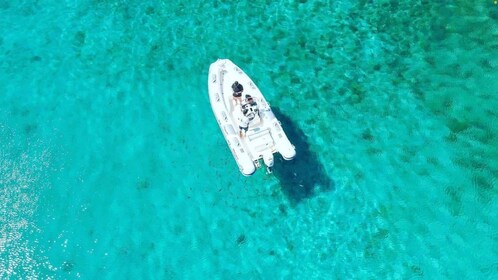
244, 125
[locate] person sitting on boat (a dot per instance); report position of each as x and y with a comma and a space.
250, 107
250, 100
237, 92
244, 125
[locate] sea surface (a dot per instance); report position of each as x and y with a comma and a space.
112, 165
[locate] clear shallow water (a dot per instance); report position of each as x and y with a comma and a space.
112, 164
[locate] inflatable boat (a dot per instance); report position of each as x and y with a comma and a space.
250, 128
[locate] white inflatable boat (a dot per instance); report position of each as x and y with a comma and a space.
246, 120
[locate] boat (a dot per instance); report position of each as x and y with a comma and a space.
250, 128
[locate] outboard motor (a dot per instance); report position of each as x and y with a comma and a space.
268, 160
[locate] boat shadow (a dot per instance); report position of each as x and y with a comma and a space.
304, 176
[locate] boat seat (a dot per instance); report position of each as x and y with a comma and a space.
260, 140
258, 133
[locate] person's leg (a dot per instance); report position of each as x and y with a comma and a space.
243, 131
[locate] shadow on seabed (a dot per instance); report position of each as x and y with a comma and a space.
305, 175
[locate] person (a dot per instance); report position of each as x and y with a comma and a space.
249, 107
243, 125
237, 92
250, 100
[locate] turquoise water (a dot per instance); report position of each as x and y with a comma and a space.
112, 165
